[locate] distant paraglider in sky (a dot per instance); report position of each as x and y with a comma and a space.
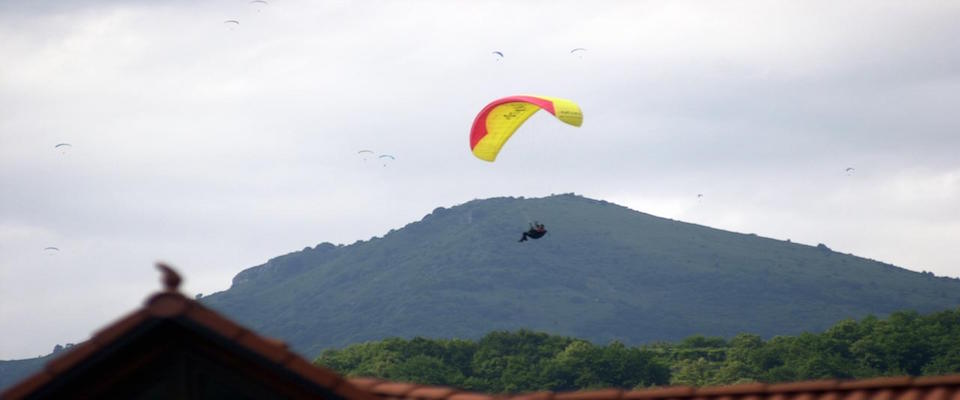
365, 154
850, 170
231, 23
496, 122
385, 157
51, 250
498, 54
259, 4
578, 51
63, 147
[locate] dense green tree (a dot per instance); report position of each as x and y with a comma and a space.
522, 361
699, 372
425, 369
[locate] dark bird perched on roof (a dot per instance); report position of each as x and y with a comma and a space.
171, 279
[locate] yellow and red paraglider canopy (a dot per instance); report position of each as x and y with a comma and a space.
499, 119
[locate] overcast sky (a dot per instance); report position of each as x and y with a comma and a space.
216, 146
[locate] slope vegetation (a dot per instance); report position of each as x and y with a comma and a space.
603, 272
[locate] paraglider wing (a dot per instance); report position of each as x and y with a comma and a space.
384, 157
494, 125
259, 4
499, 54
365, 153
577, 49
232, 21
62, 145
51, 248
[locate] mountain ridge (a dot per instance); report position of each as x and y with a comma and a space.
425, 269
603, 272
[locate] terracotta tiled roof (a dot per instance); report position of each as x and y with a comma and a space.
190, 315
889, 388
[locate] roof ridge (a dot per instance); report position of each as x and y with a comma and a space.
757, 390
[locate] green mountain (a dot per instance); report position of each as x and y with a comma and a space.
13, 371
603, 272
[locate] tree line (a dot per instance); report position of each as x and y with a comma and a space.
905, 343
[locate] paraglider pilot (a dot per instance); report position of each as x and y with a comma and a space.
537, 230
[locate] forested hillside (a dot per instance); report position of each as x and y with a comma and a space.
603, 272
